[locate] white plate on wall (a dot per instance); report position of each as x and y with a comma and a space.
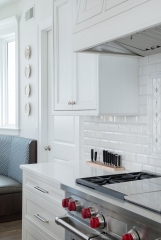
27, 109
27, 90
27, 71
27, 52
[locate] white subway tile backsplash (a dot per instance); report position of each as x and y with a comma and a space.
130, 138
125, 135
136, 167
158, 67
148, 69
155, 58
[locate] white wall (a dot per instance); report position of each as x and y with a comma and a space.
28, 36
126, 135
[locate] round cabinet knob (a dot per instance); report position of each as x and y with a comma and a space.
131, 235
97, 222
73, 103
127, 236
74, 206
88, 212
65, 202
69, 103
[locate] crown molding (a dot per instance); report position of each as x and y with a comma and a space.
9, 21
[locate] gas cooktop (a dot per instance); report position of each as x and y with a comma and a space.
121, 185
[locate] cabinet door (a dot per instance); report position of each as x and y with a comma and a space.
85, 82
88, 9
62, 54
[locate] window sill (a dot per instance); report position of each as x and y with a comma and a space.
9, 131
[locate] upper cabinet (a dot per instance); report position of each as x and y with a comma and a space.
89, 84
99, 21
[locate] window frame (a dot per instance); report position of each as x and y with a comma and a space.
9, 36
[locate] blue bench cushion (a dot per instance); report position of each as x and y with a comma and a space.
9, 185
19, 154
5, 142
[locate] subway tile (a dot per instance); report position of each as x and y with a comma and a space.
143, 110
143, 61
121, 153
95, 142
109, 118
142, 119
155, 58
118, 137
130, 119
124, 128
87, 126
119, 119
130, 156
145, 149
142, 159
108, 135
126, 165
158, 67
148, 69
136, 129
140, 71
143, 80
144, 129
137, 148
142, 139
155, 162
104, 144
95, 126
113, 127
87, 141
158, 170
85, 148
144, 90
124, 146
91, 134
87, 156
113, 145
143, 100
85, 133
140, 90
136, 167
99, 135
130, 138
104, 126
149, 168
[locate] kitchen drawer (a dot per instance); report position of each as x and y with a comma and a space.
42, 213
31, 233
43, 189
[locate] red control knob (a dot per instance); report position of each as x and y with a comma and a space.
65, 202
72, 206
86, 213
127, 236
94, 222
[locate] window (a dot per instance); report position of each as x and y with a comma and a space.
8, 77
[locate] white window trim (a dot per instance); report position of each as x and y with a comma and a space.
9, 129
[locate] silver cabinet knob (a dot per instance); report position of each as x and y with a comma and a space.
47, 148
73, 103
69, 103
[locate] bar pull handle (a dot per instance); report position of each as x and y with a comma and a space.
40, 218
40, 189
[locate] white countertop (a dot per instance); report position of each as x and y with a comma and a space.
61, 172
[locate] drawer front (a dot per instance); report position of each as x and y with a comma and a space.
31, 233
42, 213
43, 189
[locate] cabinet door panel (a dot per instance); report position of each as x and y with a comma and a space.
113, 3
89, 9
85, 84
62, 53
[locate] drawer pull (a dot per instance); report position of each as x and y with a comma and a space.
40, 189
40, 218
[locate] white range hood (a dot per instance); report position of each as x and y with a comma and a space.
144, 43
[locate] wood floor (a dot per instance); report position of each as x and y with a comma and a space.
11, 230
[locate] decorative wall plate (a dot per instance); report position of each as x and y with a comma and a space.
27, 109
27, 52
27, 90
27, 71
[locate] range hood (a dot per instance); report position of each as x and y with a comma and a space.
144, 43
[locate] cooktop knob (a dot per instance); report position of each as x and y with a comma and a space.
74, 206
88, 212
97, 222
65, 202
131, 235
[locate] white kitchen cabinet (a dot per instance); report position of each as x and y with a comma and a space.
41, 205
75, 74
90, 84
98, 22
